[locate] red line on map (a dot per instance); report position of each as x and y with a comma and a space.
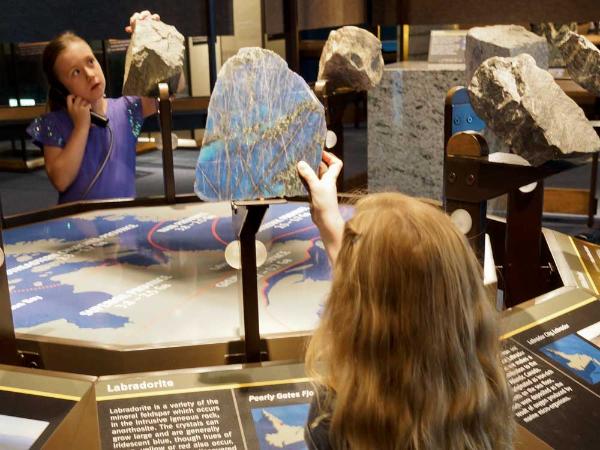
289, 233
151, 241
213, 230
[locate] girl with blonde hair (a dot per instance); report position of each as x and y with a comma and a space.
407, 354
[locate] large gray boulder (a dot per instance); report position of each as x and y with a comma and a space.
525, 108
351, 58
502, 40
582, 60
155, 54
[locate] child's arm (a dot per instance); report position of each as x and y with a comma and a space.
149, 106
323, 201
62, 164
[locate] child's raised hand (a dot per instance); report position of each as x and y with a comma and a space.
79, 111
143, 15
323, 200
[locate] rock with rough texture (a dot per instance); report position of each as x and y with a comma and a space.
502, 40
351, 58
582, 59
552, 32
525, 108
155, 54
262, 119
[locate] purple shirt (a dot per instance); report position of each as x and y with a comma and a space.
117, 179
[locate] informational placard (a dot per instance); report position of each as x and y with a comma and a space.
553, 366
447, 46
166, 414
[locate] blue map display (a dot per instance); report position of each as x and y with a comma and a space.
576, 355
262, 119
271, 423
147, 247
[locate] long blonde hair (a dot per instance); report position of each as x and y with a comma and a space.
407, 352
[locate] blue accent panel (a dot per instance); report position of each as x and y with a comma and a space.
464, 117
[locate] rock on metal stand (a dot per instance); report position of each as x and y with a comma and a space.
470, 180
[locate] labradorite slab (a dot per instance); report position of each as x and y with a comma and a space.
262, 119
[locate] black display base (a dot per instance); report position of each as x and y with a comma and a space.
236, 352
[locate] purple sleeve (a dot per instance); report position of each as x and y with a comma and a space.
46, 130
135, 114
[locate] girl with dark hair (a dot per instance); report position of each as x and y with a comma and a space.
83, 160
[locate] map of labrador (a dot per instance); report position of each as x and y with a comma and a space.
153, 275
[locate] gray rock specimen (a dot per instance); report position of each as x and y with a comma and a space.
525, 108
502, 40
552, 32
582, 59
155, 55
351, 58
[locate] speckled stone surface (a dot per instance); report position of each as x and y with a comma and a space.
406, 127
262, 119
502, 40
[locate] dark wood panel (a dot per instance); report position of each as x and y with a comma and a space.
41, 20
313, 14
431, 12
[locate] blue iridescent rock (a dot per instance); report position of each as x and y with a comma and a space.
262, 119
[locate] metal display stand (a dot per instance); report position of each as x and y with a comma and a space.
166, 126
8, 343
471, 179
247, 217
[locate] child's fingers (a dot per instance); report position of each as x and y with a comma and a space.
322, 169
307, 174
334, 167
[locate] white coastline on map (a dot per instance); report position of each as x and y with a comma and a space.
577, 361
292, 309
284, 434
35, 247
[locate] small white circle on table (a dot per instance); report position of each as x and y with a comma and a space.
462, 220
233, 254
330, 139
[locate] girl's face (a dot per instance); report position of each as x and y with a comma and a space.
78, 70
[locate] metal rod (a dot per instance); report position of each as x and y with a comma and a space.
166, 125
8, 343
254, 215
211, 37
292, 36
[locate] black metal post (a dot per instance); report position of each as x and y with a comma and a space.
252, 214
211, 37
166, 125
8, 343
292, 36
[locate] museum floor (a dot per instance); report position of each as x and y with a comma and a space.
24, 192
